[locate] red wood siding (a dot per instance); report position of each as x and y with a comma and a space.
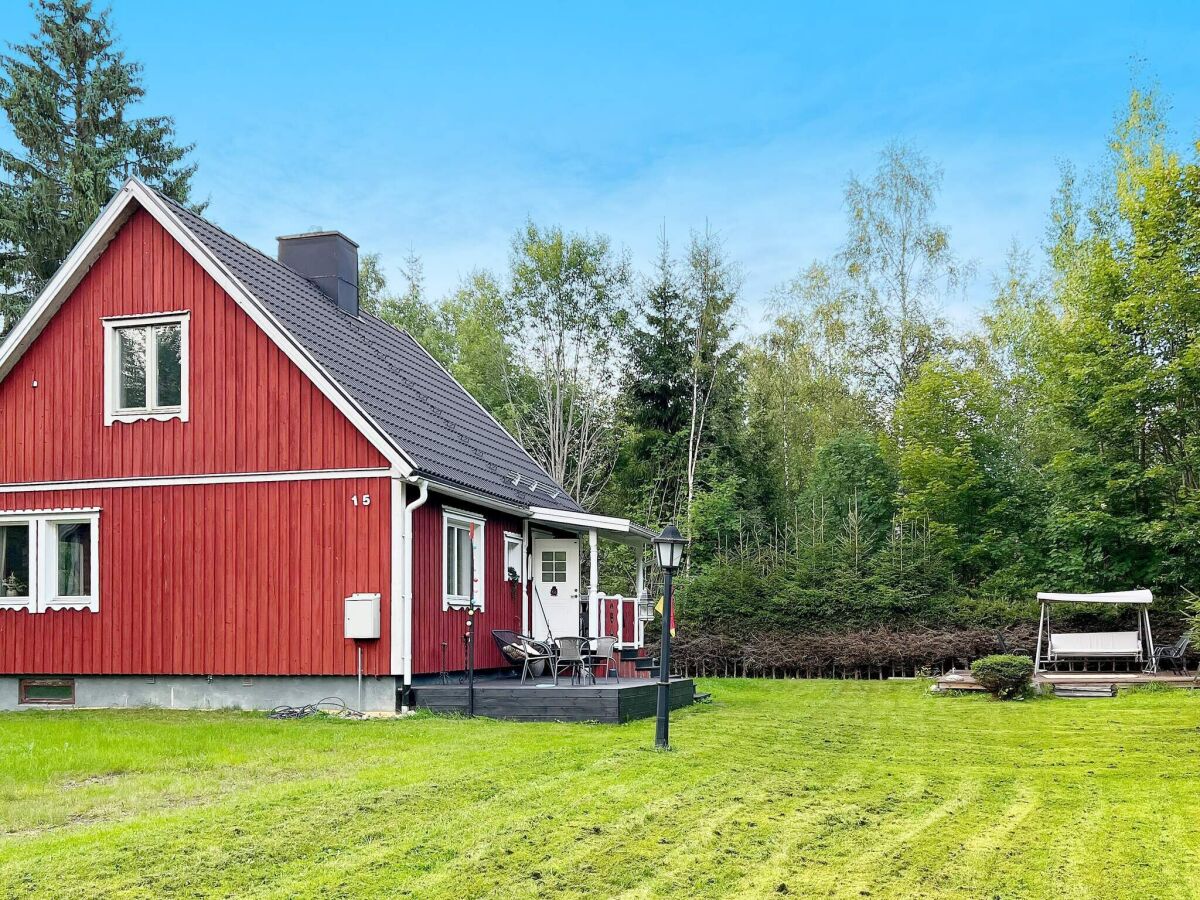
432, 625
226, 579
251, 409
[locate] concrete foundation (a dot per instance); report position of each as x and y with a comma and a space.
214, 692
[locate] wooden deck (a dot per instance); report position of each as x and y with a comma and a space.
543, 701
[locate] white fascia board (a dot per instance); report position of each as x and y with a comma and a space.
609, 524
264, 319
81, 258
215, 478
476, 498
93, 243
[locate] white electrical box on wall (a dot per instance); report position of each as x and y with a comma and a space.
362, 617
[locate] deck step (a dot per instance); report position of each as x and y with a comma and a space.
1084, 691
628, 653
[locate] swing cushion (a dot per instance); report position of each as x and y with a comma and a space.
1096, 643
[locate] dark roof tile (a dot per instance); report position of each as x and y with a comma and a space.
430, 416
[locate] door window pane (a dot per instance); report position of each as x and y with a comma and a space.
169, 361
74, 560
131, 368
554, 565
14, 560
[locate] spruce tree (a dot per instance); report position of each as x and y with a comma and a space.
68, 94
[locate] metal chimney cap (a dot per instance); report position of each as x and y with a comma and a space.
313, 234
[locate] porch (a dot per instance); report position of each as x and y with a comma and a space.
541, 700
559, 603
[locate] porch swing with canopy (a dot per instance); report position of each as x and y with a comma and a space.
1057, 647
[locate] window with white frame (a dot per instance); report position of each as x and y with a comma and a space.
146, 368
50, 560
513, 563
462, 552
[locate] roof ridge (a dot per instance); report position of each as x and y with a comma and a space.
255, 250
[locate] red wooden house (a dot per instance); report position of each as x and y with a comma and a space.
220, 480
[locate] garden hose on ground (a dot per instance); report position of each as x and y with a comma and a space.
333, 706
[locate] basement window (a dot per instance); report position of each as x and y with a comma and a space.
50, 560
462, 557
146, 368
46, 691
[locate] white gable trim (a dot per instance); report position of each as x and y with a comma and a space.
96, 239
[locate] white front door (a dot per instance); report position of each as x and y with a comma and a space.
555, 588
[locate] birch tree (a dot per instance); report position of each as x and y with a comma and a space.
569, 310
712, 286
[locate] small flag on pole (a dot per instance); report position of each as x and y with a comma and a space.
659, 608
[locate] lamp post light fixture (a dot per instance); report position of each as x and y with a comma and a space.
668, 548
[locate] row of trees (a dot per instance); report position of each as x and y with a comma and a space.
857, 462
861, 462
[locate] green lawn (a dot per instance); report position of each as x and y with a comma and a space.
844, 789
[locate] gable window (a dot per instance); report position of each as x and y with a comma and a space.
146, 368
49, 560
462, 553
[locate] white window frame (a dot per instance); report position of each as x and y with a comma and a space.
457, 519
30, 598
112, 371
43, 575
513, 542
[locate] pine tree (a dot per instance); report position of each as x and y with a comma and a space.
67, 94
659, 352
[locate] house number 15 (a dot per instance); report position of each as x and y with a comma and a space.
365, 500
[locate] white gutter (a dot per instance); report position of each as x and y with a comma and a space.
406, 599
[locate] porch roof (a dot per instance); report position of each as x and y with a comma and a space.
624, 530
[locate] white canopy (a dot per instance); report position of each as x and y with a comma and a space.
1144, 598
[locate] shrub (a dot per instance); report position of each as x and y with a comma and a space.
1004, 675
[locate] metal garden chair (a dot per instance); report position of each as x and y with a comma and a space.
605, 653
573, 654
520, 650
1174, 655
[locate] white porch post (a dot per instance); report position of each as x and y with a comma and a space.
639, 627
594, 582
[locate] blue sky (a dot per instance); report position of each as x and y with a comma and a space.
440, 128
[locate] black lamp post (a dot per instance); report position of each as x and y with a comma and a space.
668, 547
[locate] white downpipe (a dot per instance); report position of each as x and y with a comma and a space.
407, 597
526, 576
